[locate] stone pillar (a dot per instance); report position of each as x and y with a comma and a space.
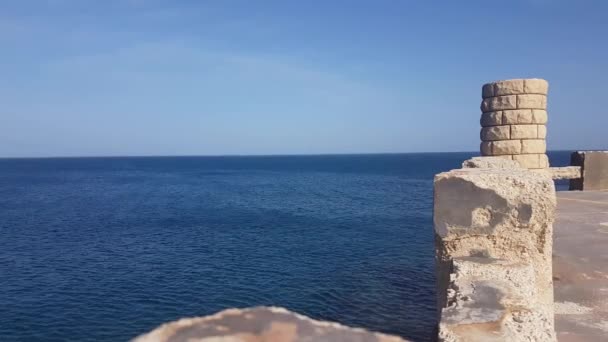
493, 240
513, 120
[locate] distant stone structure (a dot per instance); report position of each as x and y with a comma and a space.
593, 170
513, 120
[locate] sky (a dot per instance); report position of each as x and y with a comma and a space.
177, 77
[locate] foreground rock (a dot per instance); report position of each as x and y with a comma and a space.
493, 234
260, 324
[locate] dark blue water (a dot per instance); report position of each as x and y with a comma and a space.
103, 249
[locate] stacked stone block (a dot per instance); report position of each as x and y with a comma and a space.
513, 121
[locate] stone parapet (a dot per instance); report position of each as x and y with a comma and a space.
513, 121
565, 172
493, 236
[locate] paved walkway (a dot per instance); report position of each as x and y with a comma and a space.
580, 266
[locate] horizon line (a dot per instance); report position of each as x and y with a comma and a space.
253, 155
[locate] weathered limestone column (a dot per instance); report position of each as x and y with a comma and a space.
513, 120
493, 234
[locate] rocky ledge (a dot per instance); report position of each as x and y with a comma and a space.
259, 324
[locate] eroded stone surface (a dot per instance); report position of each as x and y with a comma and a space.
260, 324
494, 300
495, 214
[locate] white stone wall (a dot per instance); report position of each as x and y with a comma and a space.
493, 225
513, 121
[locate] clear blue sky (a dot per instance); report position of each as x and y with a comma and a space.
154, 77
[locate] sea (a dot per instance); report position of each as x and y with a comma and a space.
104, 249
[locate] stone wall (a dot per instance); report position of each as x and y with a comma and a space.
513, 120
593, 170
493, 234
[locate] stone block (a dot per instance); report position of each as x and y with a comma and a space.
517, 116
594, 170
487, 90
531, 101
502, 147
482, 201
485, 148
536, 86
491, 119
539, 116
542, 131
533, 146
524, 132
565, 172
509, 87
528, 161
499, 162
495, 213
495, 133
499, 103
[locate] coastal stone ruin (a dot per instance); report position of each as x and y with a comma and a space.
513, 120
493, 223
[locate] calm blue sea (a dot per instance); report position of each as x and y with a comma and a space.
103, 249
